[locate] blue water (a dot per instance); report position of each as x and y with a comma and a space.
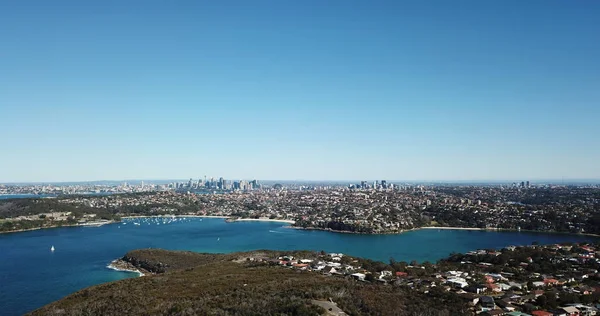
32, 276
37, 196
24, 196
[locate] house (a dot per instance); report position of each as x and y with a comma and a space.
541, 313
550, 282
359, 276
515, 285
493, 288
329, 270
515, 313
302, 266
401, 274
585, 310
506, 305
487, 303
503, 286
385, 274
471, 298
478, 289
457, 283
571, 310
319, 267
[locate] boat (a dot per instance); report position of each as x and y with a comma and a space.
52, 248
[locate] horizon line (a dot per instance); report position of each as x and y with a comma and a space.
350, 181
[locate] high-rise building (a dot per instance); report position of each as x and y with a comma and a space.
527, 184
384, 184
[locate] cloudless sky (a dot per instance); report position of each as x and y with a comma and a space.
321, 90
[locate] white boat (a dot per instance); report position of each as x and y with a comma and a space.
52, 248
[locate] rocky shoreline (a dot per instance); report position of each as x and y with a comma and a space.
125, 266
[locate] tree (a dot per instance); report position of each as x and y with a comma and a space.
369, 277
542, 301
530, 285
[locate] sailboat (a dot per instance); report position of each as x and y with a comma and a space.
52, 248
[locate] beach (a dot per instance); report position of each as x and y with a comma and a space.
232, 219
161, 216
454, 228
264, 220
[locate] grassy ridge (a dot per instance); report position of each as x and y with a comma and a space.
211, 284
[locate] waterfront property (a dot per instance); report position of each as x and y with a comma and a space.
82, 253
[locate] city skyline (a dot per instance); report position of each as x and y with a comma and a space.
116, 182
470, 91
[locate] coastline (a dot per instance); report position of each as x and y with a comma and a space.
161, 216
121, 266
36, 228
231, 218
446, 228
60, 226
291, 222
452, 228
264, 220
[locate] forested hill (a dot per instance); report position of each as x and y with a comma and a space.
251, 283
23, 214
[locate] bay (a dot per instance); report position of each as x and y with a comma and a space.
24, 196
32, 276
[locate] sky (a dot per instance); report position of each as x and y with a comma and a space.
299, 90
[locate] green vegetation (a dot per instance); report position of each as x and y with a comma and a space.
12, 209
241, 284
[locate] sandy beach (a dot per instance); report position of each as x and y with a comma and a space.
264, 220
161, 216
453, 228
233, 219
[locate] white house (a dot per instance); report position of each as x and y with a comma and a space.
359, 276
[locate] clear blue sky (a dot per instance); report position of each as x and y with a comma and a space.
418, 90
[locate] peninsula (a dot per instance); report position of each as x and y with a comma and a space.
525, 280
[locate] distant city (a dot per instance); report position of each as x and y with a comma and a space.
222, 185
